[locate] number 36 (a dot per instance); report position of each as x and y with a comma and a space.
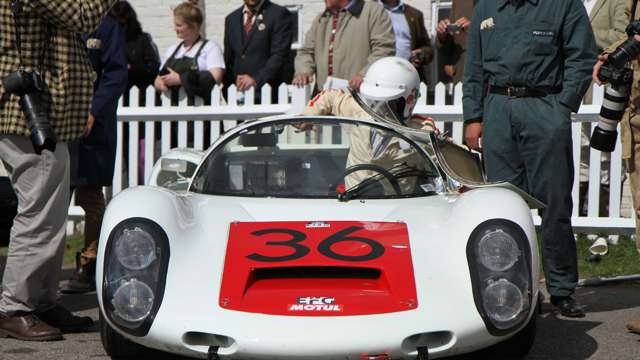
324, 247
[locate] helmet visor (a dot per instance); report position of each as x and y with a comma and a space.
394, 111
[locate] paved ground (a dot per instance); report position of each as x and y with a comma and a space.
599, 336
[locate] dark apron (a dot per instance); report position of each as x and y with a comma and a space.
181, 66
185, 63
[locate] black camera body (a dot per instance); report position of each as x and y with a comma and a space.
628, 50
31, 88
615, 76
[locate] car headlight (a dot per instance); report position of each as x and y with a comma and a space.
499, 259
135, 249
503, 300
498, 250
135, 266
133, 300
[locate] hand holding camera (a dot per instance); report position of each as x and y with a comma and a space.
447, 28
614, 69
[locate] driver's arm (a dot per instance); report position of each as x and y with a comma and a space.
325, 103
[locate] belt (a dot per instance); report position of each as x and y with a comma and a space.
523, 91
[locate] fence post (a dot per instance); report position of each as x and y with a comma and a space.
300, 97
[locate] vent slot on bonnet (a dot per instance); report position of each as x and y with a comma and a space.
315, 272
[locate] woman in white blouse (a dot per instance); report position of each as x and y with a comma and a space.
194, 62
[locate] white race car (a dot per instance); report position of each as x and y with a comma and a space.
279, 243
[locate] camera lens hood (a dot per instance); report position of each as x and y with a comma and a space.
604, 140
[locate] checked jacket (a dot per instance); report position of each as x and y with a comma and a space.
56, 26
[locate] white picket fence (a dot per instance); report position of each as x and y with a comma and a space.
192, 120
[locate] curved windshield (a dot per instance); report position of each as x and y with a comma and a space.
317, 158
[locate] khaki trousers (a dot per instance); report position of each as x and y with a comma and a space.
630, 137
34, 260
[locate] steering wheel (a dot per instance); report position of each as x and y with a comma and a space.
371, 167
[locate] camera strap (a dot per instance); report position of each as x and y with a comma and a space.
16, 8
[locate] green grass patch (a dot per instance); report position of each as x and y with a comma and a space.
622, 259
73, 244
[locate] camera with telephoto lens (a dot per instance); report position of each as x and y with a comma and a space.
618, 76
30, 87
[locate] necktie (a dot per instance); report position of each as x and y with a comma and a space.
248, 23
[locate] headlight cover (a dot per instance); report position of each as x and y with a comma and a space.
135, 249
498, 250
499, 258
135, 267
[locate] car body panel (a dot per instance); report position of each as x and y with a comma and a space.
198, 247
192, 316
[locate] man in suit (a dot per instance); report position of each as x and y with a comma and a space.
257, 43
412, 39
452, 43
48, 30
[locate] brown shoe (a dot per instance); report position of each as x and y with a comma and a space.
634, 326
28, 327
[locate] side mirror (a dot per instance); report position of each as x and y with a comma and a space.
175, 169
177, 165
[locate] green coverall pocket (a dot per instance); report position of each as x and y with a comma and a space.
543, 43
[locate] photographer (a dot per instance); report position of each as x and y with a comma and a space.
45, 93
619, 67
451, 39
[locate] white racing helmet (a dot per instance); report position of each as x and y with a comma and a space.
391, 88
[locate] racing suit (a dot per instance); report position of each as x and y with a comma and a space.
368, 145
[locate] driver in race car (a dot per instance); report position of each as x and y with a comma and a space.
389, 90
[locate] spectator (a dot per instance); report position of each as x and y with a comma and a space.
521, 105
412, 39
451, 40
197, 64
142, 54
40, 175
608, 22
93, 158
629, 125
347, 37
257, 42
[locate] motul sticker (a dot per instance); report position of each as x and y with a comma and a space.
317, 224
315, 304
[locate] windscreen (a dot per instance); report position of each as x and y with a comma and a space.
316, 158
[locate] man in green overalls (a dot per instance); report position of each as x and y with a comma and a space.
528, 65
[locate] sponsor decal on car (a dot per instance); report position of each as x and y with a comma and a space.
317, 224
310, 303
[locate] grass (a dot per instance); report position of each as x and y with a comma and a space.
73, 244
622, 259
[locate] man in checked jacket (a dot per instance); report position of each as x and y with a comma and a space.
50, 42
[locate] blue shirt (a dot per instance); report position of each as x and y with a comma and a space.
401, 29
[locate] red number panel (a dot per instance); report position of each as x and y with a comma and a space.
318, 268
